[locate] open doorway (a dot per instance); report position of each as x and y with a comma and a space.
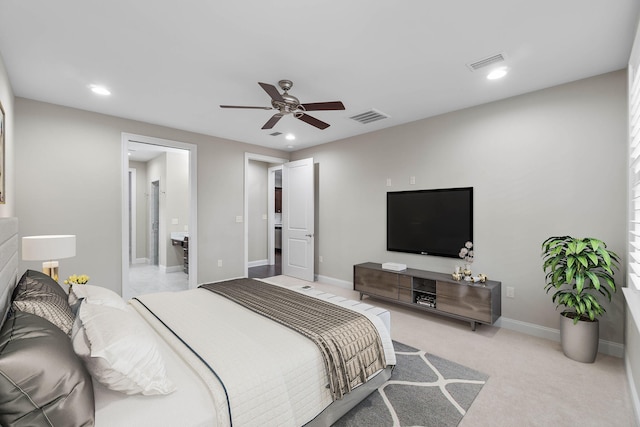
159, 234
264, 219
260, 215
297, 216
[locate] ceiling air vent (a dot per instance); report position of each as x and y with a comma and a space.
485, 62
275, 133
369, 116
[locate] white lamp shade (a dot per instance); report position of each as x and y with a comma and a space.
40, 248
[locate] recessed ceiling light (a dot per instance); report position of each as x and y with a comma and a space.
289, 146
100, 90
290, 137
498, 73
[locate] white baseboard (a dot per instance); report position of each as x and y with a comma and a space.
171, 269
635, 400
258, 263
605, 347
335, 282
141, 261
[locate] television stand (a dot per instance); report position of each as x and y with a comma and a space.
432, 292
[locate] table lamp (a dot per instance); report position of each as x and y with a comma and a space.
48, 249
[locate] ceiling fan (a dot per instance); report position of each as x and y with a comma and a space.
289, 104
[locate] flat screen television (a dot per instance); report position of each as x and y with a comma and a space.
430, 222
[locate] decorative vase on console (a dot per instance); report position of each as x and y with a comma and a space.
466, 253
467, 271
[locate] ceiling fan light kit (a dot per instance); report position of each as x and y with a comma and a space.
285, 104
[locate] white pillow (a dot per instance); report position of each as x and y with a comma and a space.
119, 350
96, 295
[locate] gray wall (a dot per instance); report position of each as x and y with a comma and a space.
171, 170
531, 161
141, 210
157, 171
70, 181
177, 202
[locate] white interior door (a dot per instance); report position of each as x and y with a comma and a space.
298, 222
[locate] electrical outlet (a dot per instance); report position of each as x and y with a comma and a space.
219, 263
412, 180
511, 293
320, 258
388, 182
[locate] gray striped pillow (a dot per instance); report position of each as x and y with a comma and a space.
39, 294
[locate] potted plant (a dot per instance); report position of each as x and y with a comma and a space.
580, 271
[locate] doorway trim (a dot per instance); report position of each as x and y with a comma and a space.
153, 217
133, 202
270, 201
193, 201
271, 206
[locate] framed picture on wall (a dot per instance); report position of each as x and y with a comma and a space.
2, 133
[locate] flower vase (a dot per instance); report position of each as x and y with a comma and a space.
467, 272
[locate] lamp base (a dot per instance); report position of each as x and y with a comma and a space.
50, 268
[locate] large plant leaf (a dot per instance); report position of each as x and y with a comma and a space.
579, 283
604, 255
593, 277
569, 275
582, 259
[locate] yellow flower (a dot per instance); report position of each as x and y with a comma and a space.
77, 280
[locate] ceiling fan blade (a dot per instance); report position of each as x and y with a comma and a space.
323, 106
272, 91
313, 121
272, 121
244, 106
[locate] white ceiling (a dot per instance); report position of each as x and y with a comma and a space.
173, 63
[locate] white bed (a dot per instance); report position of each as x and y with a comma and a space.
272, 375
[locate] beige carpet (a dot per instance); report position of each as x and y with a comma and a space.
531, 383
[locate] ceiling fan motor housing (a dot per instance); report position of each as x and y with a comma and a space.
289, 104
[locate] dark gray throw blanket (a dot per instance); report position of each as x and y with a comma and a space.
349, 342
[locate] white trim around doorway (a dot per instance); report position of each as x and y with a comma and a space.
193, 200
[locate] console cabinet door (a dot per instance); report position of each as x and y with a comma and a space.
405, 292
376, 282
469, 301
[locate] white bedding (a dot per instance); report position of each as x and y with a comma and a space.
191, 400
273, 375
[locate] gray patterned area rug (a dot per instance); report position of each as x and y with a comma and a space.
424, 390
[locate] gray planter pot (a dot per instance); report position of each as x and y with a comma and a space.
579, 341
